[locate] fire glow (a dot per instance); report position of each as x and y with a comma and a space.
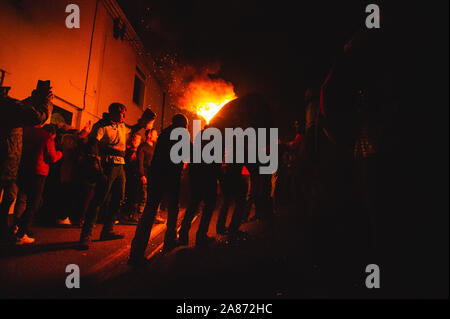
210, 109
206, 97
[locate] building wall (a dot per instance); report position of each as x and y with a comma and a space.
36, 44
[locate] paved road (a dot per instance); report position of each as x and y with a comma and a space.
227, 269
275, 261
39, 270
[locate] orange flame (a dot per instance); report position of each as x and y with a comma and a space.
210, 109
206, 97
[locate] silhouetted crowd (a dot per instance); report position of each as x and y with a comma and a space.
110, 172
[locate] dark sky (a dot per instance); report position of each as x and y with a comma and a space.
275, 48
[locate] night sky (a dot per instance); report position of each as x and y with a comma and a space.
275, 48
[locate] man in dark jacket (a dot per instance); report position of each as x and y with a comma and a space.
144, 157
234, 189
164, 178
145, 154
15, 115
132, 186
203, 179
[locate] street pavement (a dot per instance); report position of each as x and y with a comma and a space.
257, 266
275, 260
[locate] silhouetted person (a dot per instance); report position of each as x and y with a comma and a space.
203, 179
261, 192
163, 178
296, 147
14, 116
250, 196
234, 190
354, 104
145, 156
89, 169
38, 153
132, 187
68, 194
308, 171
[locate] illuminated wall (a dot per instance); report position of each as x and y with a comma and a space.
36, 44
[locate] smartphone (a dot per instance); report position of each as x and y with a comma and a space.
43, 86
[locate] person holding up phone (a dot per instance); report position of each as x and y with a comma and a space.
15, 115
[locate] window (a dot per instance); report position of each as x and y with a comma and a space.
60, 115
139, 88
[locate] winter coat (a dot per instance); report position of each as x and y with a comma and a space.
16, 115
